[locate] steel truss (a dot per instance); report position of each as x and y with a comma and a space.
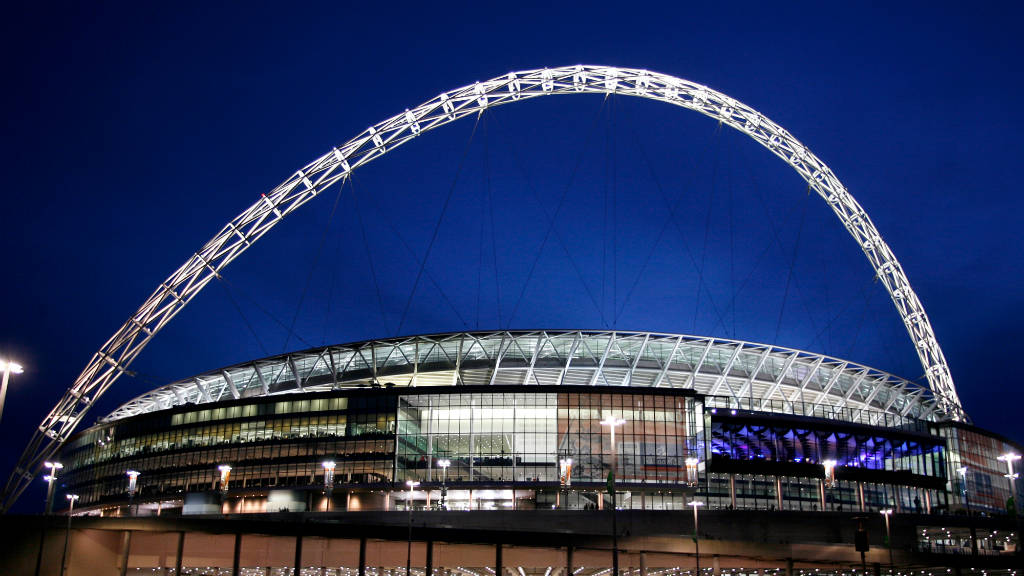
117, 353
739, 374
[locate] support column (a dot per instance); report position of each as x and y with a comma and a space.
789, 567
497, 560
821, 493
362, 556
716, 565
643, 564
860, 495
126, 548
778, 492
568, 559
236, 562
181, 553
298, 554
732, 491
927, 501
430, 558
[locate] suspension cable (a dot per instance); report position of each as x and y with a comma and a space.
552, 220
437, 226
369, 255
312, 268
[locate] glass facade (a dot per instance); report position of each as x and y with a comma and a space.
530, 447
521, 437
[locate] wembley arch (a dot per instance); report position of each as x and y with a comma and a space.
334, 167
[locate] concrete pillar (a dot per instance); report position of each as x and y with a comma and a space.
860, 495
362, 556
497, 560
643, 564
716, 565
298, 554
236, 562
568, 560
927, 501
181, 553
778, 492
430, 558
821, 493
789, 567
126, 548
732, 491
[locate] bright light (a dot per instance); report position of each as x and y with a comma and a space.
962, 471
885, 512
132, 474
328, 465
224, 468
444, 463
72, 497
692, 461
612, 420
53, 466
1009, 457
694, 503
411, 484
12, 367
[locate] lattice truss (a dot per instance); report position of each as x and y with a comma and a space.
114, 357
751, 376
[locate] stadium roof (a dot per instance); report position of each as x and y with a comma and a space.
744, 374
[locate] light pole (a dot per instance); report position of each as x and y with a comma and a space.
612, 422
696, 545
565, 479
444, 463
329, 467
888, 533
412, 484
133, 484
225, 477
67, 534
7, 367
1010, 458
51, 478
967, 501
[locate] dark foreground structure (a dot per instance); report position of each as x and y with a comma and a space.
494, 451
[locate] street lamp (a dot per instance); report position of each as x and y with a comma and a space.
133, 479
329, 467
1010, 458
67, 534
51, 478
225, 477
8, 368
444, 463
612, 422
888, 533
691, 470
412, 484
696, 546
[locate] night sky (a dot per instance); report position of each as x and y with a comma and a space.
132, 132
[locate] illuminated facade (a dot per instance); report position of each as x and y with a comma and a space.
517, 418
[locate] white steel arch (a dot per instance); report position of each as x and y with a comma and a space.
117, 353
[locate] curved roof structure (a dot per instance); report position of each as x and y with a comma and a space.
744, 374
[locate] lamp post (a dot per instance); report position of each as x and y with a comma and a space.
329, 466
967, 501
612, 422
133, 484
8, 368
1010, 458
888, 533
412, 484
444, 463
67, 534
51, 478
564, 479
225, 478
696, 545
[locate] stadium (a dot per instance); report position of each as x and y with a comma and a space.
541, 451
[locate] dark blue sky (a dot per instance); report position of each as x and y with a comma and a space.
133, 133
